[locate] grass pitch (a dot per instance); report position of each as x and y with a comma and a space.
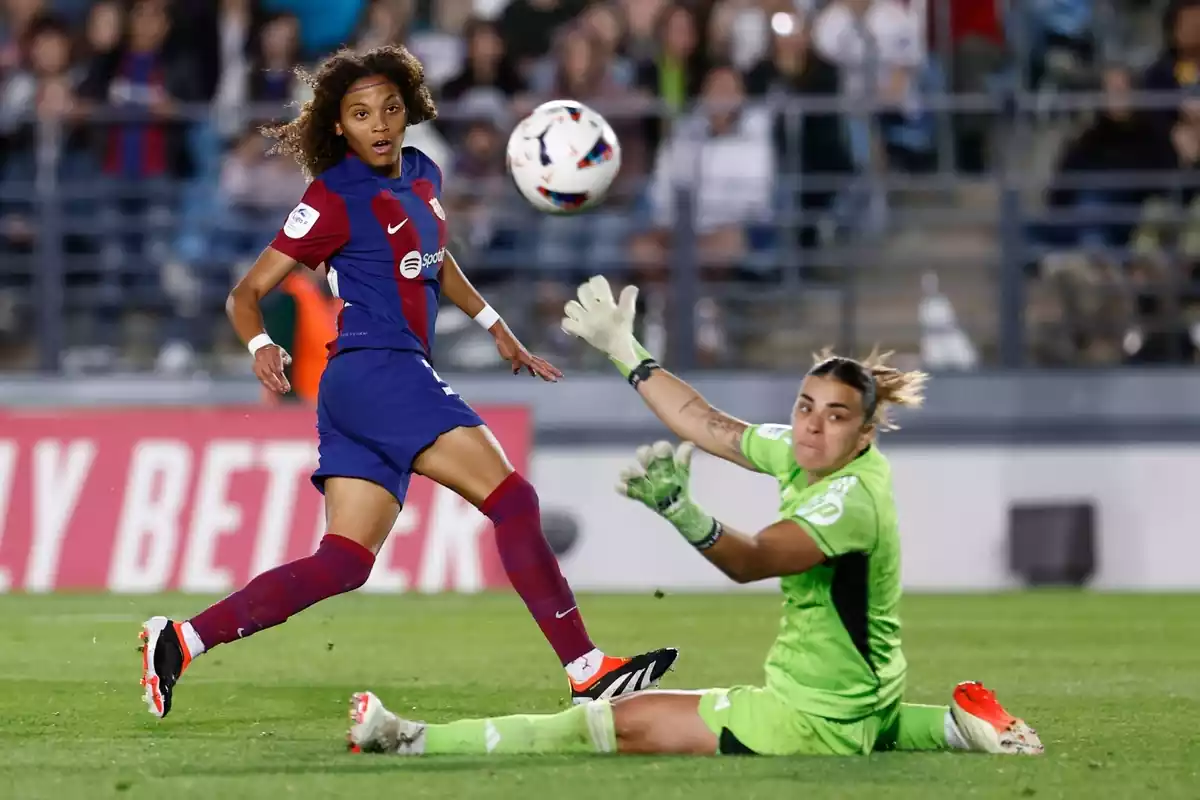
1112, 683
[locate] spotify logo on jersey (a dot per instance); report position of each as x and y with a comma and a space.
414, 262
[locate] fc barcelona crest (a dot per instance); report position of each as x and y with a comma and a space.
437, 208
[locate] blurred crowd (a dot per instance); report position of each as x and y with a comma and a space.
1120, 242
130, 148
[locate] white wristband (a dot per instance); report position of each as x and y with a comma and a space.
258, 343
487, 317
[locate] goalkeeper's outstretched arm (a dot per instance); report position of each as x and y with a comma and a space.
607, 324
689, 416
660, 480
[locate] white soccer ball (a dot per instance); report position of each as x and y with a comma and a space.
563, 157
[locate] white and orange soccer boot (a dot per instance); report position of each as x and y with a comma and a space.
987, 727
374, 729
618, 677
164, 658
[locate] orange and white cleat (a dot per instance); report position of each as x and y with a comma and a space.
987, 727
620, 677
164, 658
374, 729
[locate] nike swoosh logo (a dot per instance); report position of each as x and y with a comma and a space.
393, 229
561, 614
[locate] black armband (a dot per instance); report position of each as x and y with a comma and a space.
713, 536
642, 371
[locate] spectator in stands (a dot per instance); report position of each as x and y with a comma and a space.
1166, 269
17, 98
1151, 301
972, 55
43, 87
1095, 314
1059, 37
41, 90
383, 22
806, 142
1165, 272
144, 81
674, 75
603, 21
640, 18
1117, 140
723, 154
221, 36
324, 24
601, 26
738, 29
272, 78
527, 27
792, 65
488, 75
143, 151
265, 77
103, 31
1178, 65
488, 67
17, 17
449, 17
877, 46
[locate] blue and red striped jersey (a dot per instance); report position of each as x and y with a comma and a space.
383, 241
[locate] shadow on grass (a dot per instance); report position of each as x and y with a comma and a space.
884, 769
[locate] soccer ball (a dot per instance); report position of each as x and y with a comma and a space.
563, 157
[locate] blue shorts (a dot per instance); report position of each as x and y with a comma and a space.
376, 411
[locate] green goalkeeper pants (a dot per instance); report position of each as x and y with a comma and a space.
754, 720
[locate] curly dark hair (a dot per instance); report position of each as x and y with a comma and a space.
310, 138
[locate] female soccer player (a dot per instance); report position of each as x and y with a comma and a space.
373, 217
835, 675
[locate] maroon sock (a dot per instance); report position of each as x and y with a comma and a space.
532, 568
339, 565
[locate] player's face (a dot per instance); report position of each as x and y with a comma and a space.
373, 119
827, 425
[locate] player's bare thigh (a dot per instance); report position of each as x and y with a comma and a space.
467, 460
360, 510
662, 722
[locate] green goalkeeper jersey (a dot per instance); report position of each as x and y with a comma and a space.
838, 653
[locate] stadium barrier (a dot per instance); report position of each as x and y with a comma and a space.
954, 503
202, 499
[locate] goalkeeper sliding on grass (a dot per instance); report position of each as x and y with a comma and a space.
835, 674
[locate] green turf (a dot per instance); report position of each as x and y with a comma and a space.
1111, 682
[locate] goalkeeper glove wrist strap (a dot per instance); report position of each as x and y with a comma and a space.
642, 371
713, 535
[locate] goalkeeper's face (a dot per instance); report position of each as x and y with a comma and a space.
828, 425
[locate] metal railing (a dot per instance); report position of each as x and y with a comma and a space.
81, 253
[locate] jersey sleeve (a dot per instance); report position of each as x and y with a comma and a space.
316, 229
842, 519
769, 448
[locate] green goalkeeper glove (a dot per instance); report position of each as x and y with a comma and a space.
660, 480
606, 324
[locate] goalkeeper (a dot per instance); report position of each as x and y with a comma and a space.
835, 674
